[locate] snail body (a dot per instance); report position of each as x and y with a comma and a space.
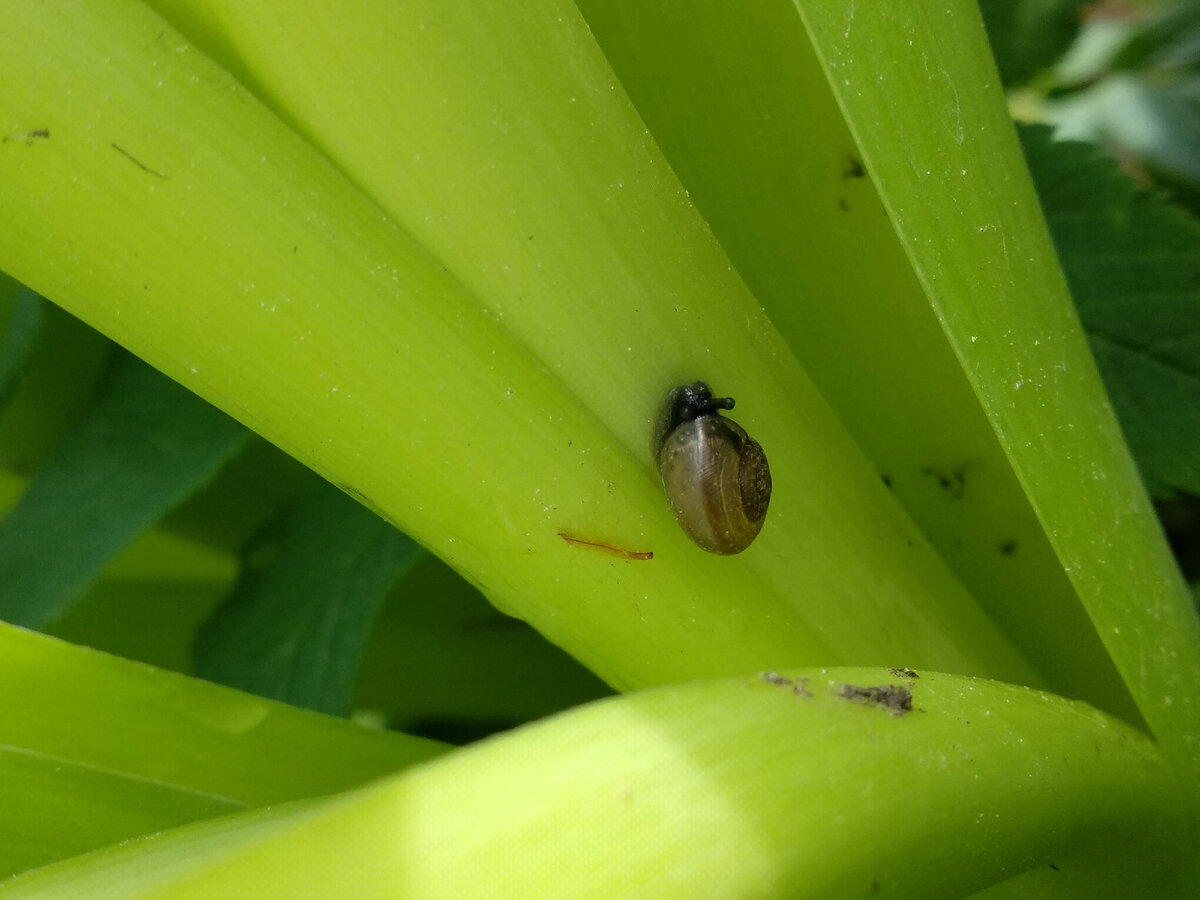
716, 476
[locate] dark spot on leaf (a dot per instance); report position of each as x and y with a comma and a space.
799, 686
953, 482
895, 699
27, 137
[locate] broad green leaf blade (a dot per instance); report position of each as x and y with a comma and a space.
295, 627
143, 446
484, 414
98, 750
738, 98
818, 783
1133, 263
73, 704
978, 243
55, 808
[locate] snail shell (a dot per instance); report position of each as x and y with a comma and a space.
716, 476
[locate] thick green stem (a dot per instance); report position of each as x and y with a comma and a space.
817, 783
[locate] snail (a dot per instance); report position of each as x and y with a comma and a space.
716, 476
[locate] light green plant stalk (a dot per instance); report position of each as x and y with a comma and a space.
438, 258
1026, 359
231, 255
735, 788
791, 176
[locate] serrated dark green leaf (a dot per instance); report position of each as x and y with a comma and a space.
1029, 35
296, 625
144, 445
1133, 263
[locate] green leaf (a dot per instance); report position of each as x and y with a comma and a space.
56, 808
296, 625
838, 783
143, 446
55, 380
99, 749
978, 244
22, 314
1133, 262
